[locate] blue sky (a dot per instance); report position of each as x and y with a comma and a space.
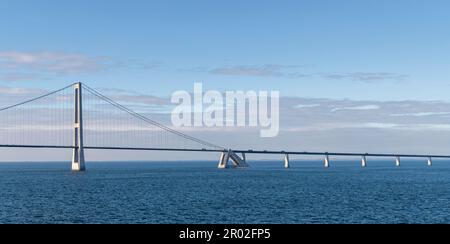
343, 68
161, 46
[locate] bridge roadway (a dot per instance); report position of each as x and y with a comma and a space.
268, 152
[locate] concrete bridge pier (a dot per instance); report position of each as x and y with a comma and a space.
327, 161
237, 161
397, 161
286, 161
224, 158
430, 161
364, 161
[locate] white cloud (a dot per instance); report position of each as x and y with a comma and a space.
304, 121
365, 76
420, 114
362, 107
23, 63
300, 106
268, 70
411, 127
307, 124
370, 125
21, 76
340, 125
5, 91
293, 72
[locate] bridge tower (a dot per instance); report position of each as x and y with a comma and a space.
78, 151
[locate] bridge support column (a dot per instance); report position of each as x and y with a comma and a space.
364, 161
327, 161
236, 160
397, 161
244, 158
224, 157
287, 164
78, 151
430, 161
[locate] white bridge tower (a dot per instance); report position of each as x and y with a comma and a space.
78, 150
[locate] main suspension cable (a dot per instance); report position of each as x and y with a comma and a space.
150, 121
34, 99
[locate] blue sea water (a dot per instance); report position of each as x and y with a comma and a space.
198, 192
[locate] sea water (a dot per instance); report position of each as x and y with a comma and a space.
198, 192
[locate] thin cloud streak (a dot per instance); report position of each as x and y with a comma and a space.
364, 76
51, 62
17, 66
420, 114
268, 70
292, 72
11, 91
362, 107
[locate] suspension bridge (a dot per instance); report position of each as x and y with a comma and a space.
80, 118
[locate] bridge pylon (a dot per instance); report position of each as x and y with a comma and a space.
78, 150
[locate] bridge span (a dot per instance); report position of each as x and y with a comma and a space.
326, 155
153, 129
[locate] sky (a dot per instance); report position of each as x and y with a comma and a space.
343, 68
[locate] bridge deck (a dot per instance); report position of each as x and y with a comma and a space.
236, 151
